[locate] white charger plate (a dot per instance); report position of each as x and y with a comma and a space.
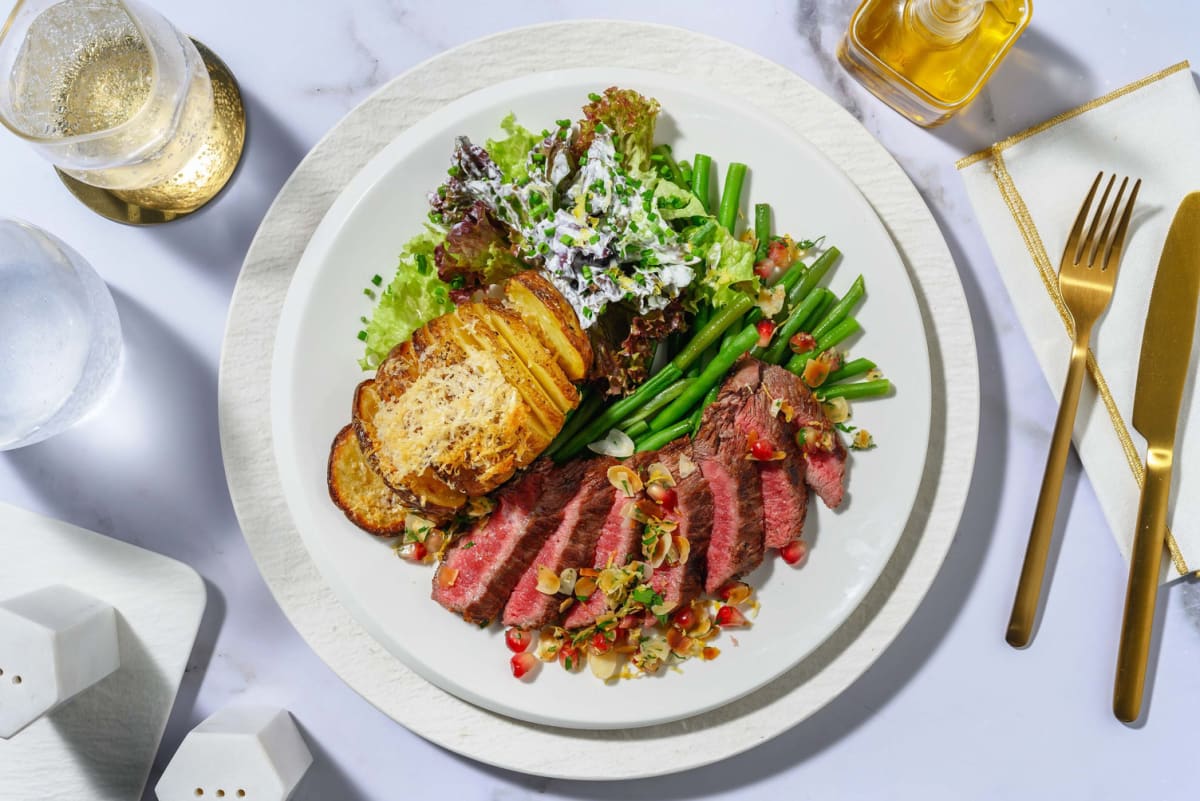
315, 371
346, 645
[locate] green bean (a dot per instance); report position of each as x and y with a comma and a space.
842, 309
674, 371
762, 229
714, 371
850, 370
658, 439
701, 170
614, 414
792, 325
813, 277
592, 401
861, 389
640, 428
657, 402
839, 332
712, 330
731, 195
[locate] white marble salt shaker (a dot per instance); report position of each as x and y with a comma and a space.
251, 753
55, 642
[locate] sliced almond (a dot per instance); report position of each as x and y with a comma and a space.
686, 466
603, 665
625, 480
566, 580
658, 473
548, 582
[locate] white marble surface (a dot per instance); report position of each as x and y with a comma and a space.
949, 711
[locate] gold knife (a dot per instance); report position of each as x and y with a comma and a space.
1162, 371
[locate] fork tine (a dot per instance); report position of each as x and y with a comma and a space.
1113, 257
1101, 245
1077, 229
1089, 243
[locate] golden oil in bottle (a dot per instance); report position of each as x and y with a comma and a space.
928, 59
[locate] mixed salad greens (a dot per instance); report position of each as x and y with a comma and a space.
631, 238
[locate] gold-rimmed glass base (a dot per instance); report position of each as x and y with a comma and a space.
202, 179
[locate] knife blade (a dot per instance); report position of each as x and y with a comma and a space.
1162, 373
1167, 338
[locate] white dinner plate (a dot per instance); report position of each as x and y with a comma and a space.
315, 371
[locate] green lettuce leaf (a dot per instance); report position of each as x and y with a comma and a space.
674, 202
414, 297
511, 152
729, 267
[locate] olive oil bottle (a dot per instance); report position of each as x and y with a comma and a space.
928, 59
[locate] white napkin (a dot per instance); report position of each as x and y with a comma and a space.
1026, 191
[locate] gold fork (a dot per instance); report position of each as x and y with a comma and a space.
1085, 279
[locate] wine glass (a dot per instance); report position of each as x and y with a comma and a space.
123, 104
60, 338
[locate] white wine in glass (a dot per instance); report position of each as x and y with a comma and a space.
117, 98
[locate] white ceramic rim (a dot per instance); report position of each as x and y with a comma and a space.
309, 603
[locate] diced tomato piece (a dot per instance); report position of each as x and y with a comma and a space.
517, 640
568, 655
802, 342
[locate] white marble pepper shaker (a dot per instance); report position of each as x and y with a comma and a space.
242, 752
55, 642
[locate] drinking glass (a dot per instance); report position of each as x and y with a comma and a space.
118, 99
60, 339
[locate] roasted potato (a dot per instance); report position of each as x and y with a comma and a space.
358, 490
533, 353
421, 489
545, 310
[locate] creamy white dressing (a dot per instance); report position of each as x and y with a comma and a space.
606, 243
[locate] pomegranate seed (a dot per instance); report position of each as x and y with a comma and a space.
685, 618
516, 640
600, 643
794, 552
802, 342
762, 449
766, 329
522, 664
568, 655
764, 269
729, 616
417, 551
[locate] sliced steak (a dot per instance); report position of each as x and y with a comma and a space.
824, 468
572, 544
488, 561
785, 496
620, 538
680, 584
736, 545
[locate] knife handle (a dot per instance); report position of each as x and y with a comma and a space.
1029, 586
1145, 563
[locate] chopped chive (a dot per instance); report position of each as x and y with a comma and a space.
370, 293
453, 171
595, 98
377, 280
362, 335
563, 123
